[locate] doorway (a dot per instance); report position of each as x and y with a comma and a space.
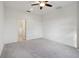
21, 30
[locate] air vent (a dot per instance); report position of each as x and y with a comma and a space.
58, 7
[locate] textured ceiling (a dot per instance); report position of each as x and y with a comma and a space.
26, 5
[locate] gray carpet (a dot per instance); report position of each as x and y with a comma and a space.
38, 48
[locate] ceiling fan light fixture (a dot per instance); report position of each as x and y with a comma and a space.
42, 4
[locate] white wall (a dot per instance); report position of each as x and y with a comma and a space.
11, 26
1, 25
77, 24
33, 26
60, 25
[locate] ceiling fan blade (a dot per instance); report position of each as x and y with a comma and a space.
48, 5
46, 1
34, 4
28, 11
41, 8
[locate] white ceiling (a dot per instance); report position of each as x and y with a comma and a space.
26, 5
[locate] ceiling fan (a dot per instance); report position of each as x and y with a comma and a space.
42, 4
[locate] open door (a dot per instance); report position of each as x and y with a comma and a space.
21, 30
